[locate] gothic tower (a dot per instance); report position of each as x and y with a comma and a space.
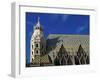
37, 43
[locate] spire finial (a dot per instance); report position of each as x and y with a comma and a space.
38, 19
38, 24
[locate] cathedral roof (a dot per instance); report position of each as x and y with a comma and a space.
43, 59
71, 43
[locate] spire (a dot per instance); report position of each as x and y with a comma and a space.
38, 23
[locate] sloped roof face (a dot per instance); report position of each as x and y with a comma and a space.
42, 59
70, 42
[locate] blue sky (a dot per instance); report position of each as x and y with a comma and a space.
56, 24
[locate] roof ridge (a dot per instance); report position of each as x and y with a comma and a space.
68, 34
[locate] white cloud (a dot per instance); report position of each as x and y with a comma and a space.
80, 29
64, 18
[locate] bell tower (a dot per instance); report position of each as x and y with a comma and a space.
37, 43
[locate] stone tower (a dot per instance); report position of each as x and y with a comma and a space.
37, 44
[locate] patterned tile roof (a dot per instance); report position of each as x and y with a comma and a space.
70, 42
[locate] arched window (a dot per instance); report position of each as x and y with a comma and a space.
37, 51
32, 59
32, 52
36, 44
76, 60
32, 46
